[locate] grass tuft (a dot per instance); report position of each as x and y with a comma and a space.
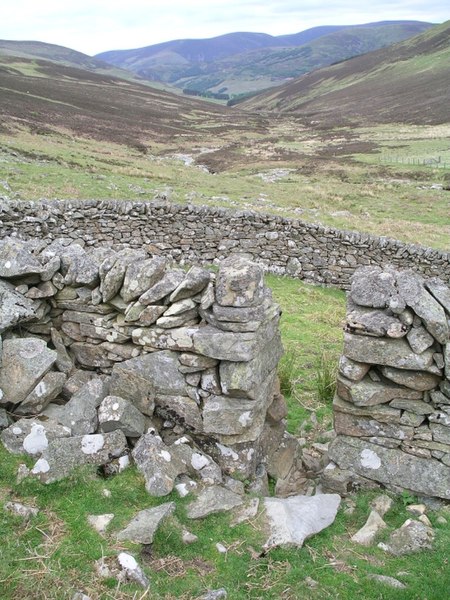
325, 379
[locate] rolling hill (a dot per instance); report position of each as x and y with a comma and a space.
239, 63
43, 95
407, 82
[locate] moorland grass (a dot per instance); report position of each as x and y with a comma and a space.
323, 184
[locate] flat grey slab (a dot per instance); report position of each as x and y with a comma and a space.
293, 520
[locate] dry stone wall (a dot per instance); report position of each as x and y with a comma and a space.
103, 351
392, 408
199, 235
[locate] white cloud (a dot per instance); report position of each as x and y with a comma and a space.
92, 26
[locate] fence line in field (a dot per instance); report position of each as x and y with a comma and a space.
435, 163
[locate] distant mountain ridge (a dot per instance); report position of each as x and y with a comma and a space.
405, 83
243, 62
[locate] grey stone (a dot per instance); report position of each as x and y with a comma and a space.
441, 433
63, 455
236, 416
360, 426
50, 268
369, 393
100, 522
90, 356
373, 287
180, 307
242, 379
187, 318
382, 504
32, 436
438, 398
415, 406
247, 512
181, 409
419, 339
389, 352
211, 500
157, 464
412, 536
239, 282
415, 380
142, 528
140, 276
131, 571
195, 281
82, 270
392, 467
214, 594
351, 369
374, 322
386, 580
117, 413
150, 314
180, 339
112, 271
45, 289
80, 412
383, 413
412, 288
75, 381
221, 345
24, 362
366, 535
46, 391
16, 259
15, 307
169, 282
64, 362
207, 297
21, 510
4, 419
440, 291
140, 379
195, 362
293, 520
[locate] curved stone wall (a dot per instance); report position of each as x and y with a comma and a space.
202, 234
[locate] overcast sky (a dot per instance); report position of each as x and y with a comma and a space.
93, 26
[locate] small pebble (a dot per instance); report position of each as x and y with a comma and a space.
417, 509
221, 548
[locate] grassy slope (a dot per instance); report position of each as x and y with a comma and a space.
52, 556
405, 83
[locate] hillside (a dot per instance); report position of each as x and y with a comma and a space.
406, 83
244, 62
42, 95
11, 50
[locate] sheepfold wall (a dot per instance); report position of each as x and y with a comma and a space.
199, 234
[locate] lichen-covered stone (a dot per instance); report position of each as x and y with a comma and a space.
392, 467
24, 362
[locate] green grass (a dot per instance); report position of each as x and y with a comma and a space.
53, 555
